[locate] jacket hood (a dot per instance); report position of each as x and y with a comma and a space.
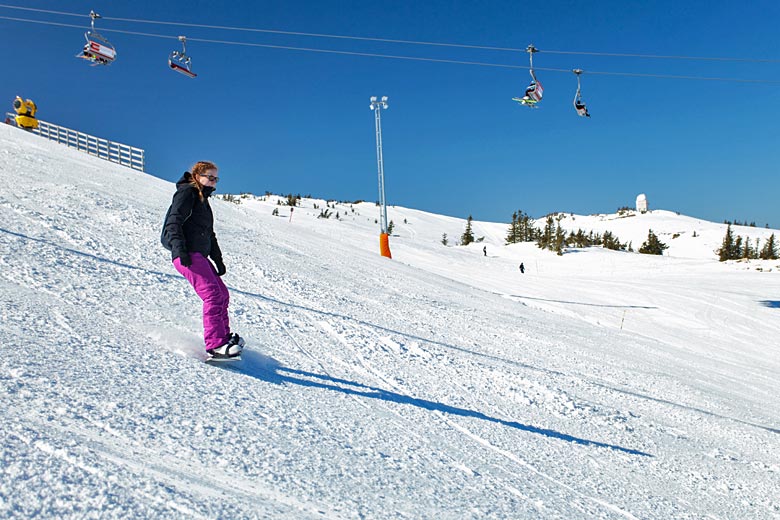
185, 179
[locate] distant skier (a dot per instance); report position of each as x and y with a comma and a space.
188, 232
522, 268
484, 250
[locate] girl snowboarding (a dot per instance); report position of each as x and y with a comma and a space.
188, 233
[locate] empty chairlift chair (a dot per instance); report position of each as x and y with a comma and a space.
98, 50
180, 62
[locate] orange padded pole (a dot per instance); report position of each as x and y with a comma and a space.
384, 245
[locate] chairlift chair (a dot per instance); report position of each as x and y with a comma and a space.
579, 105
180, 62
98, 49
535, 91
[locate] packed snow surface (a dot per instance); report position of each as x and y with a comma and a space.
440, 384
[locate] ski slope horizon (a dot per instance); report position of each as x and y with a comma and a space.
698, 238
440, 384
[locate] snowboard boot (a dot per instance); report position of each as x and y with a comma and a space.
235, 339
227, 351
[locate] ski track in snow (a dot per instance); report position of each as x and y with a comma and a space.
441, 384
512, 457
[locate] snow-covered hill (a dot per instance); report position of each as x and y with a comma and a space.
440, 384
686, 237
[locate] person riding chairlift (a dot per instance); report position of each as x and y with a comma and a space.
534, 91
579, 106
531, 90
581, 109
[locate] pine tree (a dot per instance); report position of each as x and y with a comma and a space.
526, 230
444, 240
580, 240
747, 251
736, 254
468, 236
726, 250
521, 229
560, 239
653, 246
390, 227
769, 251
610, 241
545, 238
512, 235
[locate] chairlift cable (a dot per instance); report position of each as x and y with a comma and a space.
661, 56
409, 42
398, 57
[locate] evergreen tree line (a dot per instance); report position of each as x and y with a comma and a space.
738, 223
737, 248
521, 229
554, 238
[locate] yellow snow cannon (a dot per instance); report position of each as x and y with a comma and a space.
25, 113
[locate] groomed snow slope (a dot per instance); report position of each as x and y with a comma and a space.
439, 384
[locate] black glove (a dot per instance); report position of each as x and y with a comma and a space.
220, 266
185, 260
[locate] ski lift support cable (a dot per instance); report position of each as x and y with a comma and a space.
398, 57
409, 42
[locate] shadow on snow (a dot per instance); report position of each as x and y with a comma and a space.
268, 369
581, 303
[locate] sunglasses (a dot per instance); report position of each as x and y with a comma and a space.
209, 177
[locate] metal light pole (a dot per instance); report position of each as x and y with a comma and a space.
377, 106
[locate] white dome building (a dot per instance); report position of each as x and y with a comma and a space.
641, 203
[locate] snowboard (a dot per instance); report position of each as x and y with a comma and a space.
219, 360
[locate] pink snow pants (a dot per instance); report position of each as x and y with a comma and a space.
216, 298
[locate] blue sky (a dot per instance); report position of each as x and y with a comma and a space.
291, 121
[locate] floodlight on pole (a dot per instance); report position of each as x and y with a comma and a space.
384, 241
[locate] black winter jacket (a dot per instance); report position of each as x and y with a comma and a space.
189, 224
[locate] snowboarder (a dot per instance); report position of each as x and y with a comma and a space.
188, 233
522, 268
484, 250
